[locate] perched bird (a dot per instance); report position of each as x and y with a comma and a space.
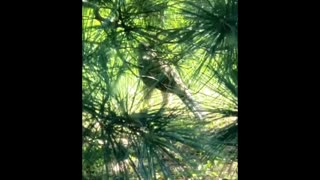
156, 73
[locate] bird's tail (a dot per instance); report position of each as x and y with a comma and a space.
192, 105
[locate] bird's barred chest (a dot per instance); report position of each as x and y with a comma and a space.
159, 74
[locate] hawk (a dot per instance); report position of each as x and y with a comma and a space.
156, 73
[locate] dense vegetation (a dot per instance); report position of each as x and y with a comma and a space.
125, 139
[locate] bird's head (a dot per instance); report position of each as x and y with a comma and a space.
144, 46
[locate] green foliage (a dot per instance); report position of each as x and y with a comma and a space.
124, 139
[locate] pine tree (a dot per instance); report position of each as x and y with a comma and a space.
123, 138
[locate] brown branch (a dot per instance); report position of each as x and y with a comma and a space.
95, 10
